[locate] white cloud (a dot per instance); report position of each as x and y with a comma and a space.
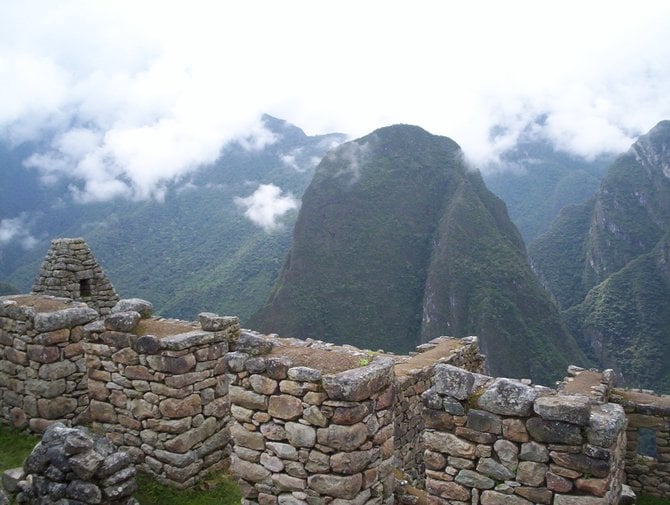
128, 96
17, 230
265, 206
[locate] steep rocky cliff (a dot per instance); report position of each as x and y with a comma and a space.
398, 241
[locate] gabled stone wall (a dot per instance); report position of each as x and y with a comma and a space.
497, 441
647, 474
71, 271
42, 366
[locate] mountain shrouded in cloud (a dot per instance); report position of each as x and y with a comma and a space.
606, 262
125, 100
396, 242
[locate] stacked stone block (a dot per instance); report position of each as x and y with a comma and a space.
71, 466
70, 270
42, 366
163, 400
646, 474
408, 406
500, 441
300, 437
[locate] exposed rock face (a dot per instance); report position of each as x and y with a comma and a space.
70, 270
71, 466
398, 242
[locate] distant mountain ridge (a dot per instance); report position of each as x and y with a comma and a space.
398, 241
606, 262
195, 250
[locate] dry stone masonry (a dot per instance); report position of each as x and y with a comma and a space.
70, 270
70, 466
42, 366
298, 422
648, 432
497, 441
158, 390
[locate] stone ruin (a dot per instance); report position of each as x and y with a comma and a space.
70, 271
307, 422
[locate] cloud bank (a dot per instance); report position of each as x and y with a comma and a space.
123, 98
265, 206
16, 230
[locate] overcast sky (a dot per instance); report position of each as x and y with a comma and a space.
125, 95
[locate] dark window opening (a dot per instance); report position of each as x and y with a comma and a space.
646, 442
85, 288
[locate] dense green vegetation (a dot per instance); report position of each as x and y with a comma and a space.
536, 181
606, 262
397, 241
218, 490
195, 250
7, 289
14, 447
651, 500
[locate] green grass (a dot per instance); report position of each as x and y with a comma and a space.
14, 447
220, 489
652, 500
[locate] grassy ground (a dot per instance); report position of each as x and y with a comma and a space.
650, 500
219, 490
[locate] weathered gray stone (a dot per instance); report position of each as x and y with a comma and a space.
189, 339
263, 385
247, 399
507, 453
562, 499
351, 462
285, 407
447, 490
192, 437
249, 439
283, 451
493, 469
449, 444
147, 344
285, 482
246, 470
359, 383
470, 478
82, 491
346, 487
343, 438
531, 473
496, 498
176, 407
56, 408
125, 321
272, 463
453, 381
66, 318
277, 367
532, 451
581, 463
58, 370
508, 397
305, 374
554, 432
574, 409
213, 322
481, 420
143, 307
174, 365
300, 435
605, 424
253, 344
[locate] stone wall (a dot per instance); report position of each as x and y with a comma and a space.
71, 466
158, 390
501, 441
412, 379
304, 433
647, 474
70, 271
42, 366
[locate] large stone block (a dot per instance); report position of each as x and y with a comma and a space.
575, 409
300, 435
67, 318
449, 444
508, 397
246, 470
174, 365
176, 408
247, 399
337, 486
343, 438
192, 437
359, 383
496, 498
554, 432
605, 424
285, 407
453, 381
